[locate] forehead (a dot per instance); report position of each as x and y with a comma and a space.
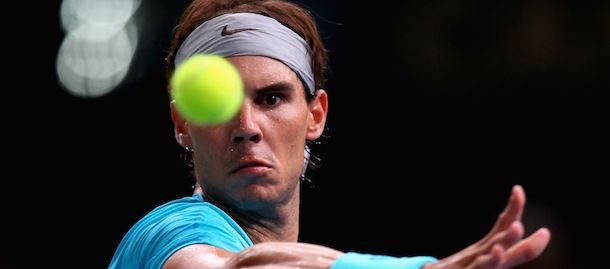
261, 70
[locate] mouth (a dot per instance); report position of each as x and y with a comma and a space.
250, 166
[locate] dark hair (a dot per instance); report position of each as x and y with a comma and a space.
291, 15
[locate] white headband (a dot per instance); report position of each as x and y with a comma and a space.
250, 34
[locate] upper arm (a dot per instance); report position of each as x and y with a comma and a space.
198, 256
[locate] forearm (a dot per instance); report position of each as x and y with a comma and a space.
284, 255
303, 255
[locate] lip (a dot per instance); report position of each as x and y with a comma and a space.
250, 166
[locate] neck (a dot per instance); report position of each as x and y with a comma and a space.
277, 221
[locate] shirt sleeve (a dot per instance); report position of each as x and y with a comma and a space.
170, 227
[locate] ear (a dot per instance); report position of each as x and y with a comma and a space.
180, 127
318, 109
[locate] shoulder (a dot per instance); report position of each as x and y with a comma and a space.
175, 225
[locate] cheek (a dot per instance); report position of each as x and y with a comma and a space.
291, 120
207, 137
291, 131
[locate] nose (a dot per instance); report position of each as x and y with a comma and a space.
247, 125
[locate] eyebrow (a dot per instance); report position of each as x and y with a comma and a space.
276, 87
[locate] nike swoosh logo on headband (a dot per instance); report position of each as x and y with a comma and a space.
226, 32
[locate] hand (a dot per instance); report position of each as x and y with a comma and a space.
504, 246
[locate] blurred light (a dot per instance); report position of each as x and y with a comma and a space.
99, 45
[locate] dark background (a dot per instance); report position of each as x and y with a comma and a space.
436, 109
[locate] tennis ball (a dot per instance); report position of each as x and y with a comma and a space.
207, 89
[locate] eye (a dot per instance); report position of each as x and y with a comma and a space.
272, 99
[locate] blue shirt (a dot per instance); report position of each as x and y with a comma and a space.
174, 225
194, 220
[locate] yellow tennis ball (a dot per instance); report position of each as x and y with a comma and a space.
207, 89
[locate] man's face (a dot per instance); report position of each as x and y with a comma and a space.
256, 158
